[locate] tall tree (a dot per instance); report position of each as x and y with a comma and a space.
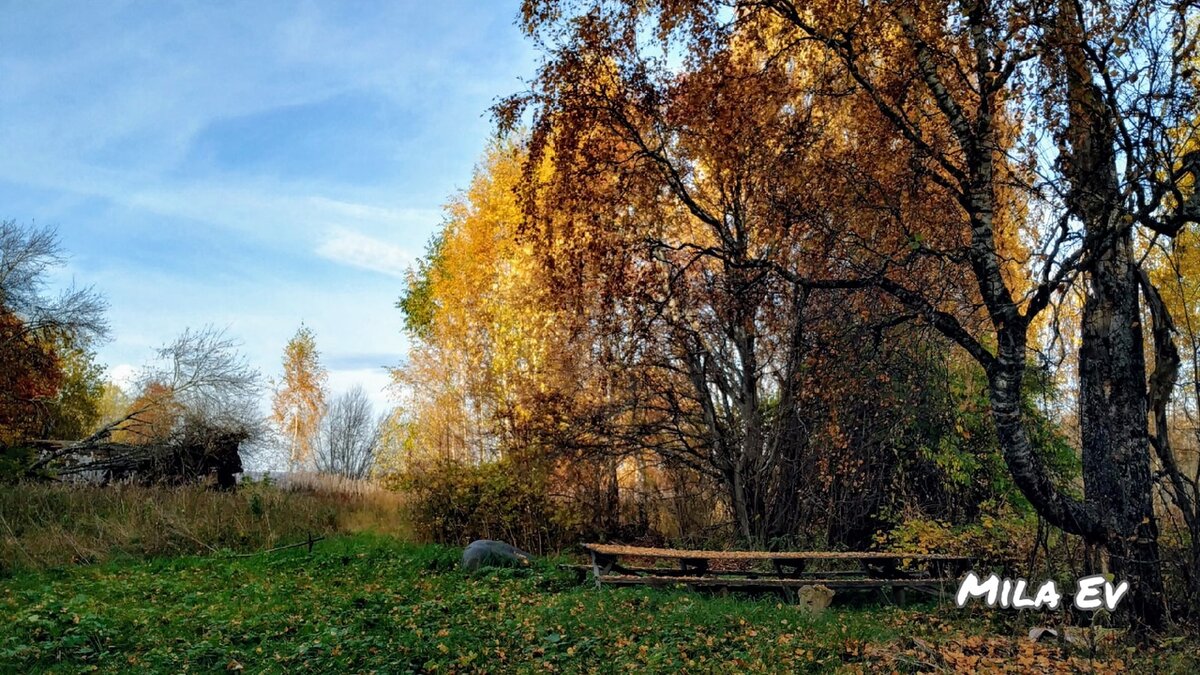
1175, 382
40, 333
675, 200
486, 343
299, 400
349, 437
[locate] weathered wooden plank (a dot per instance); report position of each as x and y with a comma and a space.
630, 580
680, 554
753, 574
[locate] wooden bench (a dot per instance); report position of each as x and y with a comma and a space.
894, 572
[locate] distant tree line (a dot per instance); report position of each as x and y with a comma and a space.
185, 416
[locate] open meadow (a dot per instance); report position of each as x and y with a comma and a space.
366, 601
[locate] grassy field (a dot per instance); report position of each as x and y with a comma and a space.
367, 603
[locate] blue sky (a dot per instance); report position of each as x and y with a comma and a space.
249, 164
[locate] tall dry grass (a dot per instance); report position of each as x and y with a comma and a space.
329, 484
46, 525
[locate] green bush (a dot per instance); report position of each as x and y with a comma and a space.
14, 459
454, 503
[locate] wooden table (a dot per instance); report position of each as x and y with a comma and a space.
892, 571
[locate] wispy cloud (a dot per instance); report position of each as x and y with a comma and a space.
249, 164
358, 250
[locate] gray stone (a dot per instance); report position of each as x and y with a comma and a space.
489, 553
815, 599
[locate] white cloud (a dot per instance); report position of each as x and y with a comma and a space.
358, 250
375, 216
122, 375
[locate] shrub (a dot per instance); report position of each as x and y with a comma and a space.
1001, 537
454, 503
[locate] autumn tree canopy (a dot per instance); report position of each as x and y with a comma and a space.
724, 198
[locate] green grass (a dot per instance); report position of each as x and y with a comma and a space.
369, 603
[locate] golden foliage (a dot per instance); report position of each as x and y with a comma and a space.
299, 401
491, 344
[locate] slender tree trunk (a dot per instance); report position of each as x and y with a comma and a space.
791, 438
1162, 385
1193, 577
741, 507
643, 495
610, 497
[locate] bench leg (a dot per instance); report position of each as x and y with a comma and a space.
601, 564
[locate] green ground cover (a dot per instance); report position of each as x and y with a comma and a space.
368, 603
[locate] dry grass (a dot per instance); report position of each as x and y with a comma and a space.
332, 484
46, 525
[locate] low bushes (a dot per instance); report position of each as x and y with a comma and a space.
454, 503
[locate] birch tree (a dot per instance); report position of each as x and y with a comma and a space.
298, 403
